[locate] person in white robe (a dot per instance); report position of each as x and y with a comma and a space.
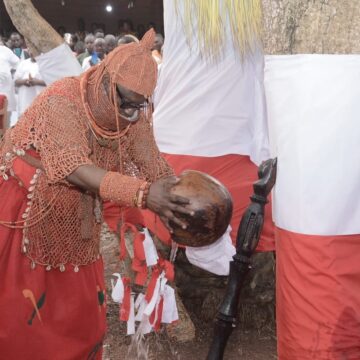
28, 82
8, 63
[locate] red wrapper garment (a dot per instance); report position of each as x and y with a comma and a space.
317, 296
44, 314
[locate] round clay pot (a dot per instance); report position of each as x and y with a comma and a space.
212, 205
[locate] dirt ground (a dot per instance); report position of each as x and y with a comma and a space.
244, 344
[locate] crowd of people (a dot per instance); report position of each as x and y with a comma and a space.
20, 79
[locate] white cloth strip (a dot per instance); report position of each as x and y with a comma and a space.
131, 321
117, 293
170, 311
151, 255
215, 257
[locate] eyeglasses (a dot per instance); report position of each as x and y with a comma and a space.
130, 105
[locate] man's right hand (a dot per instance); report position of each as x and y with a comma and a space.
161, 201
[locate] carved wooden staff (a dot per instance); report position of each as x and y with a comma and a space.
246, 242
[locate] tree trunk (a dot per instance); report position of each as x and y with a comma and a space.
311, 26
39, 34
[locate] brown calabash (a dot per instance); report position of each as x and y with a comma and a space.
212, 206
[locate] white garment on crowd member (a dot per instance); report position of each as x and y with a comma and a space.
26, 94
8, 62
86, 63
90, 61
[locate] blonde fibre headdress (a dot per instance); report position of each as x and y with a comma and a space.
208, 21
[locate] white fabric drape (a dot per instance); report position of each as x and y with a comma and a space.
313, 105
208, 108
58, 63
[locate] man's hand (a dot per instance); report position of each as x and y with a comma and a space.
162, 202
36, 82
26, 82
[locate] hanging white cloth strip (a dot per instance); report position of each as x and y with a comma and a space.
117, 293
151, 254
215, 257
140, 310
170, 311
131, 321
140, 305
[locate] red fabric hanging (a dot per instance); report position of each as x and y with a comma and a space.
317, 296
156, 315
125, 306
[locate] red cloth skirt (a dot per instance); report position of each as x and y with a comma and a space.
317, 296
44, 314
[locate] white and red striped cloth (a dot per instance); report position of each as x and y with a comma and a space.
313, 105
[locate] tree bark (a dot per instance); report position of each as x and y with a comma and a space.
39, 34
311, 26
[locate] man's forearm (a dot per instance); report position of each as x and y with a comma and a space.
21, 82
112, 186
88, 177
